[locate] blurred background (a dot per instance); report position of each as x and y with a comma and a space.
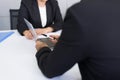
6, 5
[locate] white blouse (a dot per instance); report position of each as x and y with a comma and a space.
43, 15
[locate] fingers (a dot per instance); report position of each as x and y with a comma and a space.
28, 34
54, 41
40, 31
55, 37
37, 45
40, 45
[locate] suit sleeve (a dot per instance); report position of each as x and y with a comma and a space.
23, 13
58, 21
68, 51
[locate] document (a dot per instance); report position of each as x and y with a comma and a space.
4, 35
44, 37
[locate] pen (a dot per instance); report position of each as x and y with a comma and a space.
44, 35
47, 36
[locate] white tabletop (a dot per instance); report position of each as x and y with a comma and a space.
18, 61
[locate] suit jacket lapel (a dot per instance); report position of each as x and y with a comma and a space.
36, 12
48, 12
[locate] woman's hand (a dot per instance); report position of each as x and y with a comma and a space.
40, 31
40, 45
28, 34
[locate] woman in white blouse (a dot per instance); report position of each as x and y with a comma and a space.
44, 15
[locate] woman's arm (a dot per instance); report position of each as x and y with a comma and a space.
23, 13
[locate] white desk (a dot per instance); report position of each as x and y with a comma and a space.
18, 62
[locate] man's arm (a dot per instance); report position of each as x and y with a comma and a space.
67, 51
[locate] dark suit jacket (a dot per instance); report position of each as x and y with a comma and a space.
91, 38
29, 10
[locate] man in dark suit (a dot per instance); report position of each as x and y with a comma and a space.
91, 38
39, 12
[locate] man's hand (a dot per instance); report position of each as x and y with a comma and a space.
54, 38
40, 45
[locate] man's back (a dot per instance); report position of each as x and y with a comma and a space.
90, 37
99, 24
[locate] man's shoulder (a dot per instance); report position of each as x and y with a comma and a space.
79, 6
